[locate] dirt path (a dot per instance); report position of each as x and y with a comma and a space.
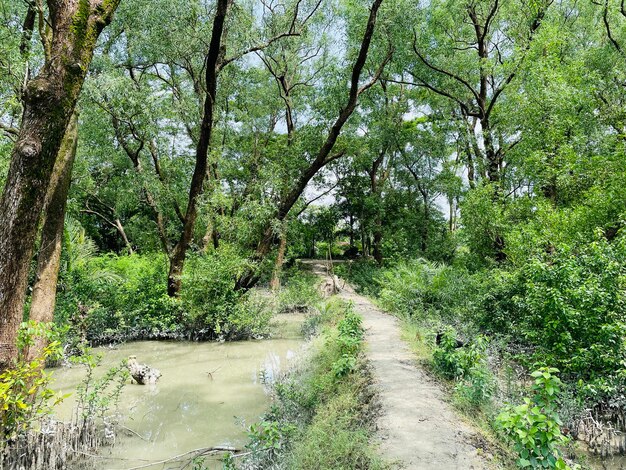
417, 427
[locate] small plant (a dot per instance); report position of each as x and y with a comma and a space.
228, 462
344, 365
269, 436
25, 393
455, 362
476, 389
97, 396
349, 341
466, 365
534, 426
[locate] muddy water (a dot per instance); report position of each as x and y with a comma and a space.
189, 408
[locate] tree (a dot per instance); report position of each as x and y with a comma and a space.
249, 278
68, 35
213, 63
48, 261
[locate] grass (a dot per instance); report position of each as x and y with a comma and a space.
324, 409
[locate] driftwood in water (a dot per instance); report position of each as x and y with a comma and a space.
202, 451
142, 373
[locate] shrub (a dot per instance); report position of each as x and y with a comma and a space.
208, 293
125, 297
349, 341
427, 290
573, 309
534, 426
466, 365
25, 393
299, 292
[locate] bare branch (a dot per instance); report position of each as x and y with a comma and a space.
378, 72
442, 71
10, 131
258, 47
316, 198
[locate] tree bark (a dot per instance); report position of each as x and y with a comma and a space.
44, 291
376, 183
69, 39
278, 265
426, 208
251, 276
212, 63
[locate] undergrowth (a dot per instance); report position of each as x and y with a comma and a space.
322, 415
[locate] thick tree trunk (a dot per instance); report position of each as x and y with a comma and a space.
278, 264
249, 278
44, 291
213, 57
49, 100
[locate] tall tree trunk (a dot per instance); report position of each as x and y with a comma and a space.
377, 242
424, 244
69, 37
376, 189
251, 276
278, 265
213, 57
44, 291
351, 230
364, 249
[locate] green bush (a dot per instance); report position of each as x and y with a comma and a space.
26, 396
215, 308
573, 309
425, 290
467, 366
349, 341
125, 297
534, 426
299, 291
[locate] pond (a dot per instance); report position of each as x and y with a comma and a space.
208, 395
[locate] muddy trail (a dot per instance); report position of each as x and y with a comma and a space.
417, 428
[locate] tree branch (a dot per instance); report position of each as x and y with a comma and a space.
442, 71
10, 131
258, 47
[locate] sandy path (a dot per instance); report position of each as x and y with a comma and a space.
417, 428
